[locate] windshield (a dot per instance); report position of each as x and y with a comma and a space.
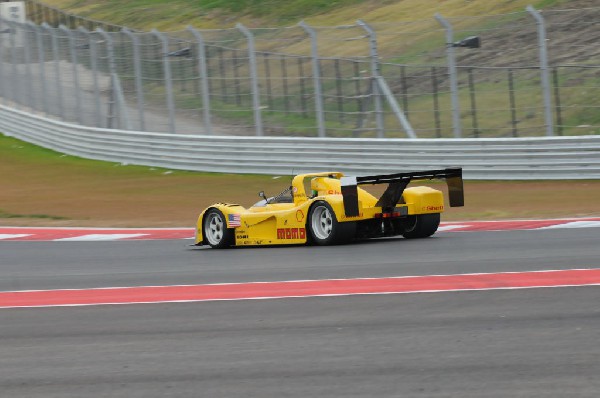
284, 196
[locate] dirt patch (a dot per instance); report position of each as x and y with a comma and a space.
39, 187
177, 201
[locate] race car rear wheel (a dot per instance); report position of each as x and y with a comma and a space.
324, 227
215, 230
421, 225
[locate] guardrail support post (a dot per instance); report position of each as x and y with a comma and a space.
203, 79
456, 125
254, 78
544, 72
316, 77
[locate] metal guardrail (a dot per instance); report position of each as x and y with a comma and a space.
544, 158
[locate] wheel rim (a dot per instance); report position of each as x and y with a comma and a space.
214, 229
322, 222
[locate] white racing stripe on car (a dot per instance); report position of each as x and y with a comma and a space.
96, 237
13, 236
575, 224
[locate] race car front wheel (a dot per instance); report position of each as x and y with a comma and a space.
324, 227
421, 225
215, 230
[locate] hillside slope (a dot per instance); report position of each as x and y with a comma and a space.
176, 14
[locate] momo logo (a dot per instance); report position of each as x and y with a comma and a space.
291, 233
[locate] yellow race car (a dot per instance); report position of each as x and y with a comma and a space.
330, 208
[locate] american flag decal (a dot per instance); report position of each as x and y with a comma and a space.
234, 220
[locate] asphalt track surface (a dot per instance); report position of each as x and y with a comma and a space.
539, 342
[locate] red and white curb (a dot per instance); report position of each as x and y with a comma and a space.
303, 288
511, 225
111, 234
92, 234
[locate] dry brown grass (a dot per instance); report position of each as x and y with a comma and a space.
66, 191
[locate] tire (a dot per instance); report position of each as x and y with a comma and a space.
421, 226
324, 228
215, 231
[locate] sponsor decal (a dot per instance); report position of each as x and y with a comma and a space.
241, 236
291, 233
234, 220
299, 215
332, 192
432, 208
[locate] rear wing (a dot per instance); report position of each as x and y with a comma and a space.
397, 183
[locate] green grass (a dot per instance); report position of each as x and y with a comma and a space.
4, 214
176, 14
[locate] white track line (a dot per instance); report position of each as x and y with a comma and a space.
97, 237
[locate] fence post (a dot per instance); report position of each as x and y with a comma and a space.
456, 126
117, 90
42, 64
316, 77
73, 52
436, 102
94, 66
137, 70
14, 80
267, 65
284, 82
204, 89
543, 54
473, 103
404, 89
374, 74
559, 123
2, 87
27, 55
168, 79
380, 86
56, 58
254, 78
513, 106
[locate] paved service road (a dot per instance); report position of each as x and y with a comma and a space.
531, 342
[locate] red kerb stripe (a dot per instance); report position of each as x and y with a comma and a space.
256, 290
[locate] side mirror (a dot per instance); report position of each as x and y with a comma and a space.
262, 195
